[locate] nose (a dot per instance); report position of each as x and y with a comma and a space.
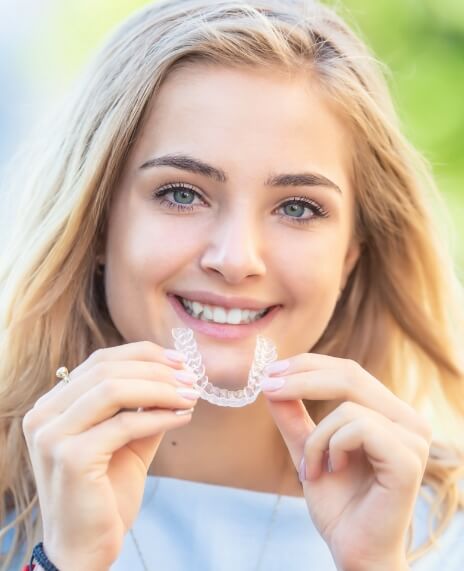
234, 248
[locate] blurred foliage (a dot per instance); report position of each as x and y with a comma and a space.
420, 41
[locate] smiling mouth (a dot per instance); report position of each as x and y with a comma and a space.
221, 315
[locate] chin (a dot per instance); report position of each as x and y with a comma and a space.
231, 378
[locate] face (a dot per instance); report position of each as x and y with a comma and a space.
238, 229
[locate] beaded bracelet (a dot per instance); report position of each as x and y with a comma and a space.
38, 554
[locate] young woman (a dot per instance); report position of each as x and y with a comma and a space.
231, 161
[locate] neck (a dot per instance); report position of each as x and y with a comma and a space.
234, 447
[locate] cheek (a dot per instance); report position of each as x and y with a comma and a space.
148, 250
143, 254
313, 262
313, 286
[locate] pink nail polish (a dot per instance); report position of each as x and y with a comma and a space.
329, 465
191, 394
185, 377
302, 470
175, 356
271, 384
277, 367
182, 411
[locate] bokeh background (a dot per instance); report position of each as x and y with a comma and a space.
44, 44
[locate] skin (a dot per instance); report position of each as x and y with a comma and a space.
90, 458
233, 243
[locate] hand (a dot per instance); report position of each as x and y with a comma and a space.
91, 451
378, 446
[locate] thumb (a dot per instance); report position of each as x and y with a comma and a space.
294, 423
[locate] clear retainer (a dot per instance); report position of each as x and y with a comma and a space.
265, 353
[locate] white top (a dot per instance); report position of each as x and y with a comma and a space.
184, 525
192, 526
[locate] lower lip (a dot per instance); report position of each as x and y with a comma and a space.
219, 330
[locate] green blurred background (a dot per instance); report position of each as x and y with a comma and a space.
421, 42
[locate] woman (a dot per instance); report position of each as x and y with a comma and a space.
220, 157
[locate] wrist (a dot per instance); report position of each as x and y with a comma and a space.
381, 566
66, 562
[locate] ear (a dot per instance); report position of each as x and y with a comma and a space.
351, 257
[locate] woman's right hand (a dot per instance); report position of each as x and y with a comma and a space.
90, 455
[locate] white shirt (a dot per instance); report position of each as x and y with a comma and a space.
192, 526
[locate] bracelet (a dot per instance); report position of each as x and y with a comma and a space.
38, 554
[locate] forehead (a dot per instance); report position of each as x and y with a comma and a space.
247, 120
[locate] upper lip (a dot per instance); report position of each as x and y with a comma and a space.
227, 302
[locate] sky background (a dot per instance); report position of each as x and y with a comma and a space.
44, 44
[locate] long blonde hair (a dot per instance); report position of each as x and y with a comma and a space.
401, 313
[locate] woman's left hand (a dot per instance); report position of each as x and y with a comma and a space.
378, 447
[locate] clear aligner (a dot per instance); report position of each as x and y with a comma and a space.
265, 353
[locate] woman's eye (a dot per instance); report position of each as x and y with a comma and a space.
183, 197
296, 207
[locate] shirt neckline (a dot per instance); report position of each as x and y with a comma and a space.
230, 489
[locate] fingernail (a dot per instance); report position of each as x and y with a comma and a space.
329, 465
268, 384
191, 394
302, 470
185, 377
175, 356
183, 411
277, 367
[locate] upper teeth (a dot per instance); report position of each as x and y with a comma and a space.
221, 314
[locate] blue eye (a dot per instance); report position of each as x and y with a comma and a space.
184, 195
298, 204
181, 192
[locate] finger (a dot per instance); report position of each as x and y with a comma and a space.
62, 396
110, 396
350, 383
317, 444
303, 362
395, 466
294, 423
141, 430
137, 351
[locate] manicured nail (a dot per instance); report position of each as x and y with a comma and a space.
191, 394
277, 367
185, 377
302, 470
183, 411
175, 356
273, 384
329, 465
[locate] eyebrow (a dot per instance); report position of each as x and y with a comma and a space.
193, 165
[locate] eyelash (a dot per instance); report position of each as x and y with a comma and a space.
317, 210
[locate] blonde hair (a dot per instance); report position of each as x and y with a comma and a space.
400, 315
